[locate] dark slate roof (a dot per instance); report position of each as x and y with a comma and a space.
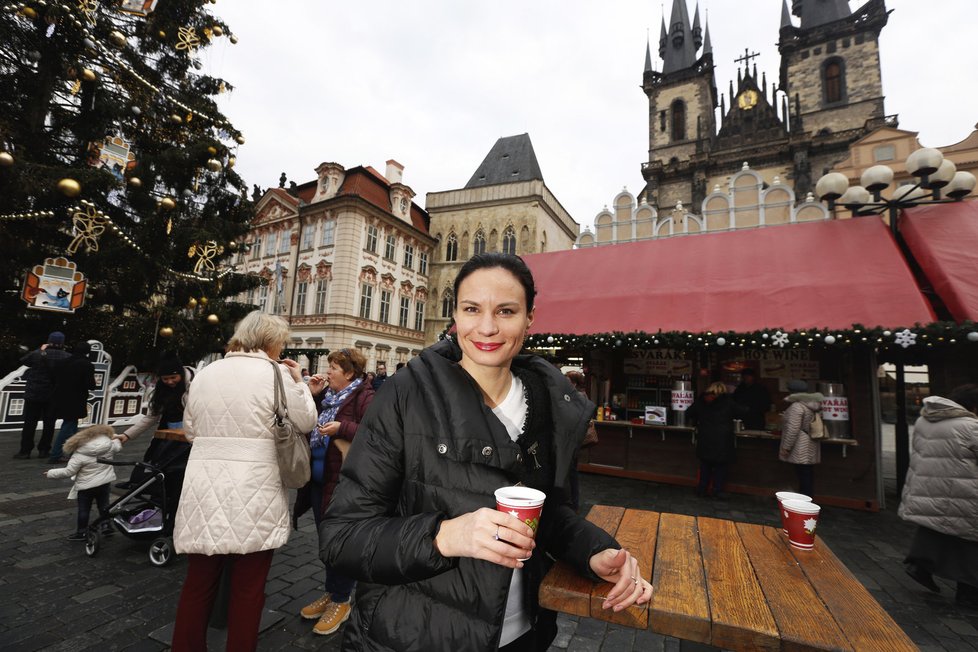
818, 12
680, 46
510, 159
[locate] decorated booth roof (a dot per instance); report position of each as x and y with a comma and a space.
943, 238
818, 275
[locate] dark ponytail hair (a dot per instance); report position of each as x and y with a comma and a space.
510, 262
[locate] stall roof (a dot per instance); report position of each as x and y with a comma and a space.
943, 238
828, 274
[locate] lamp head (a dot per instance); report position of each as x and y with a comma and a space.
876, 178
831, 186
943, 175
961, 185
924, 161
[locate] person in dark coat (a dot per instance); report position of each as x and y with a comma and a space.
345, 396
75, 378
380, 376
413, 517
39, 396
713, 413
753, 396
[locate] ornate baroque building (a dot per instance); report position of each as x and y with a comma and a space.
828, 94
347, 259
505, 206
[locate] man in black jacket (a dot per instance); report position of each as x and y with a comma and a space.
75, 377
753, 396
39, 394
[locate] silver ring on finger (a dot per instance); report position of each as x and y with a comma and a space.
635, 579
496, 535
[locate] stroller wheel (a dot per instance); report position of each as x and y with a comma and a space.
161, 551
93, 541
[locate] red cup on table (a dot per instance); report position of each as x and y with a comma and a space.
801, 517
524, 503
788, 495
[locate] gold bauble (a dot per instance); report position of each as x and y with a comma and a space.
233, 39
168, 204
166, 331
191, 302
89, 75
212, 150
213, 165
213, 319
175, 119
239, 140
218, 30
231, 161
69, 187
117, 38
135, 182
28, 12
203, 301
161, 34
6, 159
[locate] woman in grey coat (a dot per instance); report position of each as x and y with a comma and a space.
941, 493
796, 446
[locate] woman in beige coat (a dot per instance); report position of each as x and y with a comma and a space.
796, 446
233, 508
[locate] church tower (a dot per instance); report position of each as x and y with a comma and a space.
682, 100
830, 64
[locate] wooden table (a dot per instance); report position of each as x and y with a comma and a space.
732, 585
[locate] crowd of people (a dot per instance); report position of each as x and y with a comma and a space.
403, 470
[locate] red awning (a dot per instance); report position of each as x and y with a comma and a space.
829, 274
944, 240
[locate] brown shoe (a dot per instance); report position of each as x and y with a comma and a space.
317, 608
335, 615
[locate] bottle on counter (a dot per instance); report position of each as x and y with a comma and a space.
600, 415
607, 412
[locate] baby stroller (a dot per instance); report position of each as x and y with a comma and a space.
147, 510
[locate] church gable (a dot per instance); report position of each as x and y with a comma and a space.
272, 207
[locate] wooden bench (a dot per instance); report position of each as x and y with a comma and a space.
732, 585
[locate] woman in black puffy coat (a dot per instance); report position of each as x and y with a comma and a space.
413, 516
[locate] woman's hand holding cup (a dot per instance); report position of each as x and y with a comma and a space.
486, 534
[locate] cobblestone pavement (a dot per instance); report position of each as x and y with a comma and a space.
56, 598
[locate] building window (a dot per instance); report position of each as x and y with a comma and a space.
263, 298
451, 248
385, 307
256, 248
833, 81
390, 247
423, 263
402, 317
662, 121
408, 256
271, 243
479, 243
418, 316
301, 290
509, 241
678, 120
16, 407
325, 184
329, 230
284, 242
884, 153
308, 235
447, 304
366, 298
321, 286
404, 206
371, 239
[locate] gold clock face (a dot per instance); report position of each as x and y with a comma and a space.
747, 100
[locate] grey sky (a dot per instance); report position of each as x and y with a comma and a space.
434, 83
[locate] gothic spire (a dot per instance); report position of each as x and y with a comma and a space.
785, 15
697, 31
818, 12
662, 39
680, 50
707, 44
648, 56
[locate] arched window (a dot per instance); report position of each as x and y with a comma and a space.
447, 304
451, 248
833, 81
509, 240
479, 243
678, 120
463, 249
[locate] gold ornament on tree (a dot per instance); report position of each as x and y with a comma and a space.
205, 253
213, 165
88, 223
166, 331
117, 38
168, 203
6, 159
203, 301
213, 319
69, 187
187, 40
191, 303
89, 75
87, 8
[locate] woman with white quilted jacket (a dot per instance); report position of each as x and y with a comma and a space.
796, 446
234, 510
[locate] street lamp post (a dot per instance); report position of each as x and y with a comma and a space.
937, 181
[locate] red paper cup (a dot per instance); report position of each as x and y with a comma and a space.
801, 517
788, 495
524, 503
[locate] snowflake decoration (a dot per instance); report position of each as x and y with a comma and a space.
905, 338
810, 525
780, 339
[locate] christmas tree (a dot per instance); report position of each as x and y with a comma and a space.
116, 165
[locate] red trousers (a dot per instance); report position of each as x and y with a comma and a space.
248, 574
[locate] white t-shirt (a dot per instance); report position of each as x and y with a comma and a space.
511, 411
